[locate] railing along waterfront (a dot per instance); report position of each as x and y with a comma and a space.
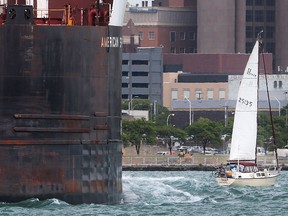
195, 160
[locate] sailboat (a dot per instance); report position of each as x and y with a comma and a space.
241, 168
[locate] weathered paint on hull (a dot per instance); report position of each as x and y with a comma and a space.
60, 112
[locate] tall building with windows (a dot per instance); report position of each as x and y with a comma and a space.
142, 74
214, 27
172, 28
232, 27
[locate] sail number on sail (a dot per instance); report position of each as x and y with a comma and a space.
245, 102
249, 72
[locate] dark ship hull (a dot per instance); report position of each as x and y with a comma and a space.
60, 112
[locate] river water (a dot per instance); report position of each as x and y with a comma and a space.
171, 193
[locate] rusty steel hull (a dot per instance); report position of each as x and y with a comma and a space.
60, 112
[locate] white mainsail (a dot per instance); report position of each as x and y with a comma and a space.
118, 11
244, 135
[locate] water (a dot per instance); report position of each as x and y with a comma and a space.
171, 193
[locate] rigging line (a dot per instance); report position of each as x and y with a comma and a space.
270, 110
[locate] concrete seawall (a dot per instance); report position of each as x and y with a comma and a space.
167, 168
149, 160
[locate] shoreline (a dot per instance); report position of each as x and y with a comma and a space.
167, 168
149, 160
174, 168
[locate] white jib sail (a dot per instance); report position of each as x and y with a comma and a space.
244, 135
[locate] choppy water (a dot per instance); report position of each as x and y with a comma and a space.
171, 193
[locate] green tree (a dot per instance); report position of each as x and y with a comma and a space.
170, 135
206, 132
135, 131
161, 116
265, 133
168, 131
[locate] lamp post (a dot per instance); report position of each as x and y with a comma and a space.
190, 111
131, 102
279, 106
226, 114
167, 120
286, 92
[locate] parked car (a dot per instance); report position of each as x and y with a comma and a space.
182, 148
161, 153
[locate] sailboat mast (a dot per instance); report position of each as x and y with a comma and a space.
270, 110
259, 50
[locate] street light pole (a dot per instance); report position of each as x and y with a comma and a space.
225, 115
167, 120
279, 106
190, 110
131, 102
286, 92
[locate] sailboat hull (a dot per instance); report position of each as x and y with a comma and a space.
254, 181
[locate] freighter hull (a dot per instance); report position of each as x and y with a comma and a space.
60, 112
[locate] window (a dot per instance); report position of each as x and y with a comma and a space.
124, 96
249, 16
221, 94
249, 47
270, 16
144, 3
181, 50
139, 73
249, 32
186, 93
192, 36
259, 15
172, 50
140, 62
140, 35
124, 62
270, 47
174, 94
259, 2
140, 85
275, 84
172, 36
270, 2
198, 94
125, 73
249, 2
192, 50
210, 94
280, 84
151, 36
124, 85
270, 32
182, 35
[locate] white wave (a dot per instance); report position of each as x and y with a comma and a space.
151, 190
55, 201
